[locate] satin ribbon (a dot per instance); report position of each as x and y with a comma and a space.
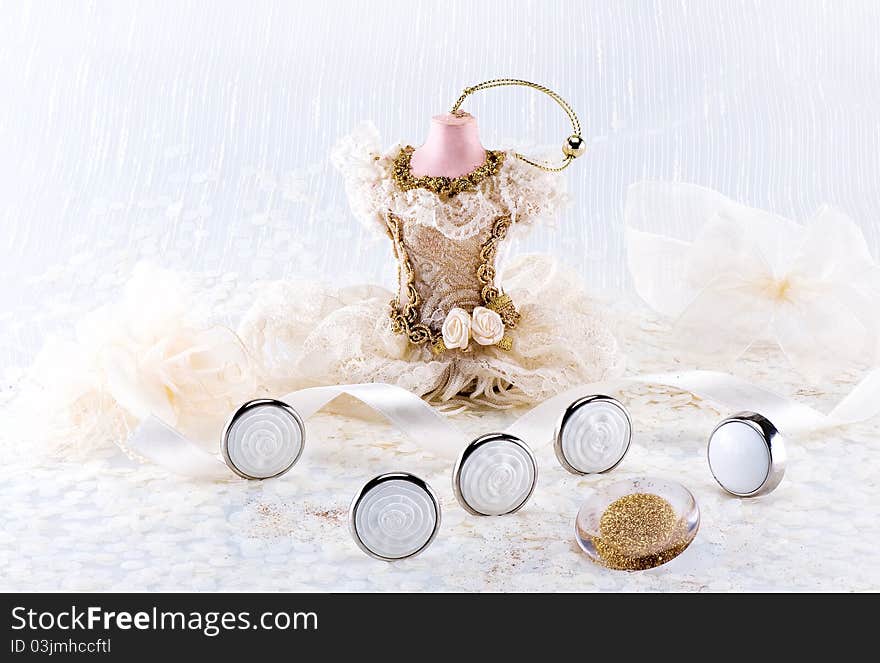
167, 447
733, 393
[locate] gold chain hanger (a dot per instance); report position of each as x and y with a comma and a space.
573, 146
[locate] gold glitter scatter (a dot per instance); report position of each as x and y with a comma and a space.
638, 532
443, 186
332, 516
273, 521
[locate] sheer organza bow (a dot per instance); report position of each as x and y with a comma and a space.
731, 275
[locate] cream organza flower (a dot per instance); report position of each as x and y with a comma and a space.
162, 357
732, 275
154, 352
487, 328
456, 329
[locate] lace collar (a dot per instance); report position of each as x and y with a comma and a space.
443, 186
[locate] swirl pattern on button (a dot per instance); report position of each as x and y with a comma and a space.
396, 518
496, 477
263, 440
595, 436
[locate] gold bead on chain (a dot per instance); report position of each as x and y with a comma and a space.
573, 147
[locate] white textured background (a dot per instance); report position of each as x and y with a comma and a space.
196, 134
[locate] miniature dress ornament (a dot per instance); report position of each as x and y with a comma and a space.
464, 323
456, 328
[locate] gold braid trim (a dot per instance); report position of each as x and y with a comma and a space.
443, 186
493, 298
404, 320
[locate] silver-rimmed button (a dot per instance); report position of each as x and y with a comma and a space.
593, 435
263, 439
394, 516
746, 455
495, 475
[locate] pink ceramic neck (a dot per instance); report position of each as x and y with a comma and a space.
452, 148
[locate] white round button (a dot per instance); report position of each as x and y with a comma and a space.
593, 435
495, 475
394, 516
746, 455
263, 439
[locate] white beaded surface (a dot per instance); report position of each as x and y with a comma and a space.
739, 457
497, 477
264, 440
395, 519
595, 436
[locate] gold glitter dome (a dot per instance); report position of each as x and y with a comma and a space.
637, 524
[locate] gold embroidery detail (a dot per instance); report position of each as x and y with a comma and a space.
503, 306
493, 298
404, 320
443, 186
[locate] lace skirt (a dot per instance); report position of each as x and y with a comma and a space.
304, 334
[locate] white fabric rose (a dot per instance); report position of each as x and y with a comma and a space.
456, 329
487, 328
